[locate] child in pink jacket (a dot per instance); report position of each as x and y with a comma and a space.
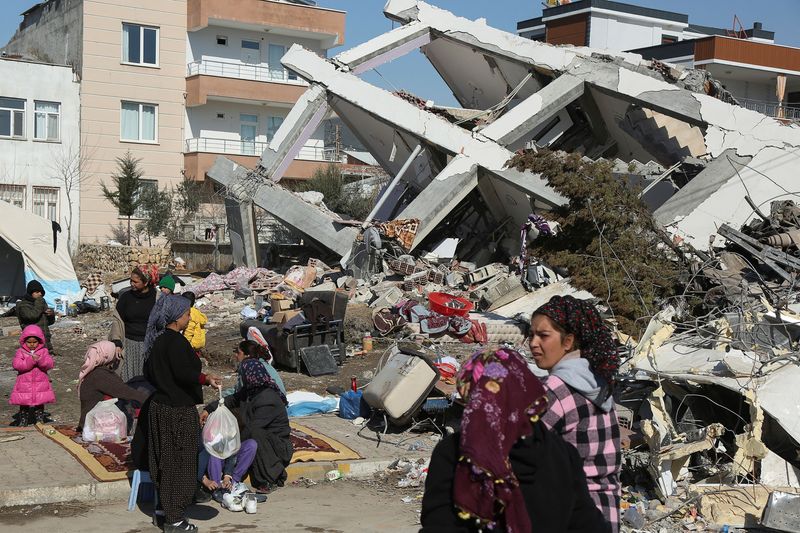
32, 389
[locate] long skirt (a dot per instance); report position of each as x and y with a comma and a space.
172, 449
133, 363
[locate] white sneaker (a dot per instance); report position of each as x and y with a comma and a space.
239, 489
232, 503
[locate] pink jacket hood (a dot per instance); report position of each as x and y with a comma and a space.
32, 331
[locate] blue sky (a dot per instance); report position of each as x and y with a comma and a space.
413, 73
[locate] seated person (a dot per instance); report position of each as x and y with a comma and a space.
262, 411
226, 475
98, 380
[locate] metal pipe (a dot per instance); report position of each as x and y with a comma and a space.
392, 185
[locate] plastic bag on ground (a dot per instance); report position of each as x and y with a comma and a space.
221, 433
105, 422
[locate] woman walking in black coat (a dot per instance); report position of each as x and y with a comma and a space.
262, 410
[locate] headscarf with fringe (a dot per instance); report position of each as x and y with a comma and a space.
504, 400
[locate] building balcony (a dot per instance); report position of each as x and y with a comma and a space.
200, 153
240, 82
772, 109
280, 18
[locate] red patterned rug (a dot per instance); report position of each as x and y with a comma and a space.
110, 461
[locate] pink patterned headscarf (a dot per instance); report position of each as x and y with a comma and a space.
98, 354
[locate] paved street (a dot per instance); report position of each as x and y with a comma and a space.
340, 507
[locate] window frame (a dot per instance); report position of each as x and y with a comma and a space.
142, 28
46, 205
222, 38
140, 114
47, 114
14, 187
12, 112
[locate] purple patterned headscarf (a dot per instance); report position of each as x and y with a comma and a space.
255, 375
504, 400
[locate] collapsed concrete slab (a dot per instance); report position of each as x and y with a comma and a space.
519, 93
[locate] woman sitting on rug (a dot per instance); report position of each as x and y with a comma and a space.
262, 411
505, 470
98, 380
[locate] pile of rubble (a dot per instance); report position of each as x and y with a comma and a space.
708, 393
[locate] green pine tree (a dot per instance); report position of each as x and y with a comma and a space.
126, 196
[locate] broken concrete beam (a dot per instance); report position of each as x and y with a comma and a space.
243, 233
288, 208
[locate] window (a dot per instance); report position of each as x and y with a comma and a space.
273, 123
139, 122
13, 194
222, 40
248, 130
12, 117
251, 52
276, 70
668, 39
145, 187
139, 44
45, 124
45, 202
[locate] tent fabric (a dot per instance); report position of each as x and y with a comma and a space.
26, 249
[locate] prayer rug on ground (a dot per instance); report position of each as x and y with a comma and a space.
105, 461
310, 445
109, 461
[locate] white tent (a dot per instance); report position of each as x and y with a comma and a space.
30, 249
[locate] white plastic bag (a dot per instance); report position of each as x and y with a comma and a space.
221, 432
105, 422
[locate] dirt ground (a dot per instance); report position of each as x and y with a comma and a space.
72, 336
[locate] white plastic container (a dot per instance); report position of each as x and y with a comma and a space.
402, 385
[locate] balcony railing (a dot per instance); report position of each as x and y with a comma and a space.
771, 109
255, 148
243, 71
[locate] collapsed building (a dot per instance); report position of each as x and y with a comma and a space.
704, 166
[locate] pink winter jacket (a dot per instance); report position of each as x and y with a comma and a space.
32, 386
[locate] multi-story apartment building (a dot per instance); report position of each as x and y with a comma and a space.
760, 74
176, 82
237, 91
40, 142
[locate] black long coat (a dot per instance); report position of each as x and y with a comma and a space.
263, 418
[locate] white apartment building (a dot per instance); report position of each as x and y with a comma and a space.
40, 141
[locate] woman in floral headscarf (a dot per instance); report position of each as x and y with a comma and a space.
504, 470
569, 340
262, 410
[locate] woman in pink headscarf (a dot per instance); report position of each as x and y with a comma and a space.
98, 380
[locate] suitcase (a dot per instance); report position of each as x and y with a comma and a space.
402, 385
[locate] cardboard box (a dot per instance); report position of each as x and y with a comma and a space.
280, 304
282, 316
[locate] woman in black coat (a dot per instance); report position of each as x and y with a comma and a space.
504, 470
262, 411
